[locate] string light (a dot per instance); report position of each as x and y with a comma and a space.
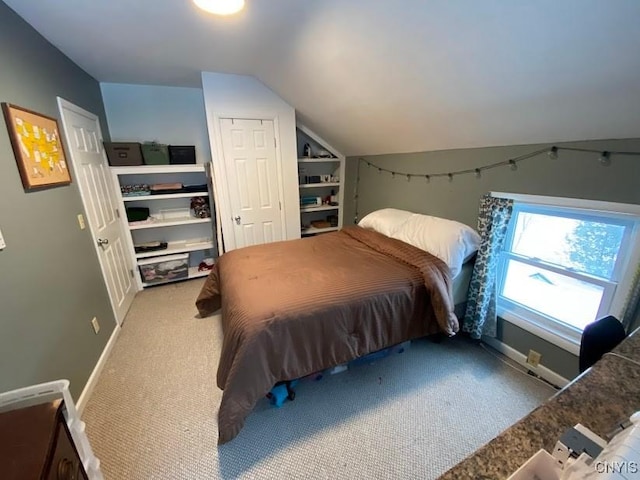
553, 152
604, 159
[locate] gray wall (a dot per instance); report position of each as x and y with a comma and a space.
50, 280
571, 175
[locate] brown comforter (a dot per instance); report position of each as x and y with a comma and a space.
297, 307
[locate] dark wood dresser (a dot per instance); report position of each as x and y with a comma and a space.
35, 443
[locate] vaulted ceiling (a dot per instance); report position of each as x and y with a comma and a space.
383, 76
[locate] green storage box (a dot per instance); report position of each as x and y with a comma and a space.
155, 154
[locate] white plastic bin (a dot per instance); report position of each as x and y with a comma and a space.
49, 391
164, 269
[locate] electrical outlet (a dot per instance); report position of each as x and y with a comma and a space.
534, 358
81, 221
95, 324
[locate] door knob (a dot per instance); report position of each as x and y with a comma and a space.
237, 219
103, 241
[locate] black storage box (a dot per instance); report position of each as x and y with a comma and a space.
137, 214
122, 154
182, 154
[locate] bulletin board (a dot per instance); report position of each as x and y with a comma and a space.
37, 146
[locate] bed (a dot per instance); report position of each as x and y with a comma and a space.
297, 307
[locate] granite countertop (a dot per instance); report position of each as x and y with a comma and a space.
630, 348
600, 398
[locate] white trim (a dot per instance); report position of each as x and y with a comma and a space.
594, 205
527, 324
549, 375
615, 291
93, 378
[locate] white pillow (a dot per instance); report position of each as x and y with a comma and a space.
450, 241
385, 221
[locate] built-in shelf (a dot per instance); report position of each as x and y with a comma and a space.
312, 169
318, 160
164, 196
313, 230
171, 222
177, 247
193, 273
319, 185
319, 208
148, 169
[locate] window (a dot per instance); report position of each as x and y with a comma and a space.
563, 266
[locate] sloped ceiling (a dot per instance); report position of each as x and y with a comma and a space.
383, 76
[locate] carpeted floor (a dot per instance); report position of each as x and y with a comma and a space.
153, 412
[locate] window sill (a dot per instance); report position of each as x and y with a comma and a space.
570, 344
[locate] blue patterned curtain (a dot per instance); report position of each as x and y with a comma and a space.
631, 318
480, 317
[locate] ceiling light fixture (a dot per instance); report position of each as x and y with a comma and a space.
220, 7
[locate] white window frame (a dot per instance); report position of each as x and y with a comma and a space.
615, 291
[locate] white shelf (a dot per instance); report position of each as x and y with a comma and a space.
164, 196
148, 169
318, 160
320, 208
313, 230
334, 168
193, 273
319, 185
177, 247
169, 223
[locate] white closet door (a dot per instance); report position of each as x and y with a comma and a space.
84, 140
249, 150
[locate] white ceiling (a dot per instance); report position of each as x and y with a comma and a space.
383, 76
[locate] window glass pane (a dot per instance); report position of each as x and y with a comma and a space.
569, 300
580, 245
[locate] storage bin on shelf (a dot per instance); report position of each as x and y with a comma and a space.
155, 153
123, 154
165, 268
182, 154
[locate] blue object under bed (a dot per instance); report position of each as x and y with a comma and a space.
283, 391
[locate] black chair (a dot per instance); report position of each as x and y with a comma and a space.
598, 338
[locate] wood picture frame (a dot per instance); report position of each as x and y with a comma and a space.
37, 146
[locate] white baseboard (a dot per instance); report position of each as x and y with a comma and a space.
520, 358
93, 378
